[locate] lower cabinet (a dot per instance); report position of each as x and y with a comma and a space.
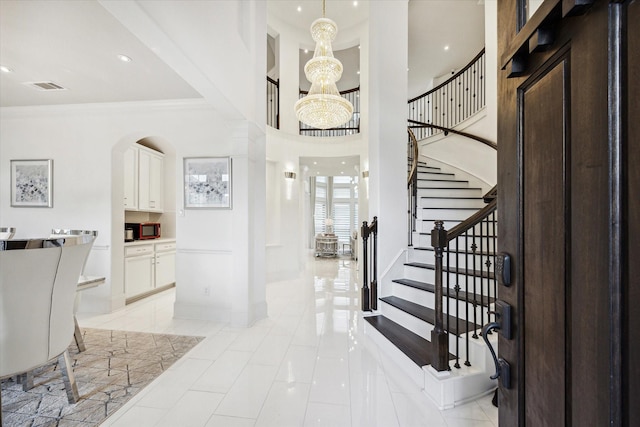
148, 268
165, 268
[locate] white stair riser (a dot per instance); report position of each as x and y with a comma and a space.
427, 299
452, 192
425, 226
424, 241
451, 203
442, 184
484, 286
461, 260
447, 213
435, 175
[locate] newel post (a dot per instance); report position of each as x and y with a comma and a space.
439, 337
366, 294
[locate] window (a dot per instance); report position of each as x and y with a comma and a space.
337, 196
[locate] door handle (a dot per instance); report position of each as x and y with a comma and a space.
502, 324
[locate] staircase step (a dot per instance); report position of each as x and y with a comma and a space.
449, 191
414, 346
454, 251
477, 273
447, 292
428, 315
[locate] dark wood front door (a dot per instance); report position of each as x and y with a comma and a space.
565, 129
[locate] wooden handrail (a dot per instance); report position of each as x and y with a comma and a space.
473, 220
417, 124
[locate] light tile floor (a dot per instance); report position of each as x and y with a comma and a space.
307, 364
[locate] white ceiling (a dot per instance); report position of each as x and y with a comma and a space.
75, 43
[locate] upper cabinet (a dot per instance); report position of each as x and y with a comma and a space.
144, 179
131, 179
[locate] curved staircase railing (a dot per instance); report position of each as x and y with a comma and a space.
412, 185
453, 101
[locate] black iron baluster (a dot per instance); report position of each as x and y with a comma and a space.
466, 289
457, 293
474, 248
482, 237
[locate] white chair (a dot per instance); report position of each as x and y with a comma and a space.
65, 232
38, 281
7, 233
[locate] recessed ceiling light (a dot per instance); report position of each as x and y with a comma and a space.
5, 69
355, 3
446, 47
299, 8
124, 58
306, 51
315, 163
344, 163
358, 72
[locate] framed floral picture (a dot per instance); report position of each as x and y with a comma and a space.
32, 183
207, 183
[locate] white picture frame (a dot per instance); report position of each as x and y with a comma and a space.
32, 183
207, 183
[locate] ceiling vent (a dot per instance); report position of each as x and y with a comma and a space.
46, 86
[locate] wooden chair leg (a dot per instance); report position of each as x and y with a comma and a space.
64, 362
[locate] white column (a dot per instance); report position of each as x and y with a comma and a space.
248, 302
289, 48
387, 125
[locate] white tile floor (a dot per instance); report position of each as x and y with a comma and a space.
307, 364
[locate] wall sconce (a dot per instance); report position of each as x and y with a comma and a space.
289, 177
365, 177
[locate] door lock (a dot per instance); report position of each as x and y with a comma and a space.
503, 325
503, 268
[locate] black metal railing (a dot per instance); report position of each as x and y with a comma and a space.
273, 103
412, 186
464, 263
370, 265
453, 101
350, 128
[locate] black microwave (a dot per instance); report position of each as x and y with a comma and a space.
144, 230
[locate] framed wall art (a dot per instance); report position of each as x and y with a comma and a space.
207, 183
32, 183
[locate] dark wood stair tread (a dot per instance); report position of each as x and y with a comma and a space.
448, 292
428, 315
477, 273
412, 345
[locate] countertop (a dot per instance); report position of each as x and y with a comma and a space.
150, 241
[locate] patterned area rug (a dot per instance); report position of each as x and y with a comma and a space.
115, 366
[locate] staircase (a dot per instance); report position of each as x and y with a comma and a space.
406, 314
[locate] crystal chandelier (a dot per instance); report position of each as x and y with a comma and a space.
323, 107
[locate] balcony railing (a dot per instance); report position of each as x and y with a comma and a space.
273, 103
452, 102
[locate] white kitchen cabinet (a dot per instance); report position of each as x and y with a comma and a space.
131, 179
150, 180
139, 275
148, 267
143, 179
165, 268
